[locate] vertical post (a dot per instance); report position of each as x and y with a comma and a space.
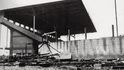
26, 45
113, 31
34, 23
11, 43
85, 31
116, 17
35, 44
68, 41
68, 34
0, 35
34, 19
35, 47
56, 36
6, 40
1, 14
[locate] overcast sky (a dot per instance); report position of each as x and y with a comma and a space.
102, 13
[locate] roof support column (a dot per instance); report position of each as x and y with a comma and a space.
34, 19
34, 23
113, 33
85, 30
69, 34
11, 43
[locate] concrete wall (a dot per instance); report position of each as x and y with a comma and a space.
20, 43
93, 48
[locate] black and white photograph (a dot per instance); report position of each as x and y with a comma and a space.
61, 35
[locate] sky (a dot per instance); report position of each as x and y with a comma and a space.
101, 12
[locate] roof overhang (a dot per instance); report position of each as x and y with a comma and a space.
64, 15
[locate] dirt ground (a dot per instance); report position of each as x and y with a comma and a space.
46, 68
31, 68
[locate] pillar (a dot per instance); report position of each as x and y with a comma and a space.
11, 43
35, 47
113, 33
85, 30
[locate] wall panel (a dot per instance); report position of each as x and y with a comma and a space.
94, 48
